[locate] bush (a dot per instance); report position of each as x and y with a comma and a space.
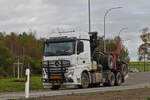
35, 65
3, 73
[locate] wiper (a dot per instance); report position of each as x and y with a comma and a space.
68, 53
50, 54
64, 53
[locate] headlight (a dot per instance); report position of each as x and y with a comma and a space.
70, 73
44, 63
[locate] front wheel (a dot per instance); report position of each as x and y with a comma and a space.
55, 87
84, 81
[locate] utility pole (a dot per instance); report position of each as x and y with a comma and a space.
18, 67
105, 24
89, 6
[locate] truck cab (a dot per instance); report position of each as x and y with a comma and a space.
70, 51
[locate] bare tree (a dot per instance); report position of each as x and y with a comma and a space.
144, 48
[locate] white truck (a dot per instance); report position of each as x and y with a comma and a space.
70, 58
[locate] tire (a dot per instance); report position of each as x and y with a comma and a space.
55, 87
96, 85
110, 62
85, 81
107, 61
124, 69
111, 79
118, 80
105, 84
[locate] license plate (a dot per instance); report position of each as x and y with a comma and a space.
57, 83
55, 77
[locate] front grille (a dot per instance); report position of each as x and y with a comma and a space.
56, 68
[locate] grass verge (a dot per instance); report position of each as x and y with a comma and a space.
140, 68
8, 85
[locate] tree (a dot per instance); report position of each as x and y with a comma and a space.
24, 46
12, 43
144, 48
5, 61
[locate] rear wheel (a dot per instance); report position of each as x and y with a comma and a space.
111, 79
84, 81
55, 87
118, 80
124, 69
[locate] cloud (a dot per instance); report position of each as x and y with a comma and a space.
46, 15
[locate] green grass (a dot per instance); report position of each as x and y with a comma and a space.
8, 85
148, 98
139, 62
140, 68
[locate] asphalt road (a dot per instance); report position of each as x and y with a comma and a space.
134, 81
137, 78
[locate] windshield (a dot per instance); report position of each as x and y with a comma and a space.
59, 48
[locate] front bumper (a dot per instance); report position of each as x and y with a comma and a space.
67, 81
64, 80
48, 85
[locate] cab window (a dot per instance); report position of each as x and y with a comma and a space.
80, 47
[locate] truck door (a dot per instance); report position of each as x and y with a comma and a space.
82, 53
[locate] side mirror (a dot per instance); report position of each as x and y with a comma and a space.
80, 47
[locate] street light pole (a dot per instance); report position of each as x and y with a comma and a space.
145, 58
89, 6
105, 24
122, 30
144, 62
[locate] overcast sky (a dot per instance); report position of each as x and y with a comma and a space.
45, 16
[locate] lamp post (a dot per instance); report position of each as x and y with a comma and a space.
89, 8
122, 30
105, 24
144, 58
